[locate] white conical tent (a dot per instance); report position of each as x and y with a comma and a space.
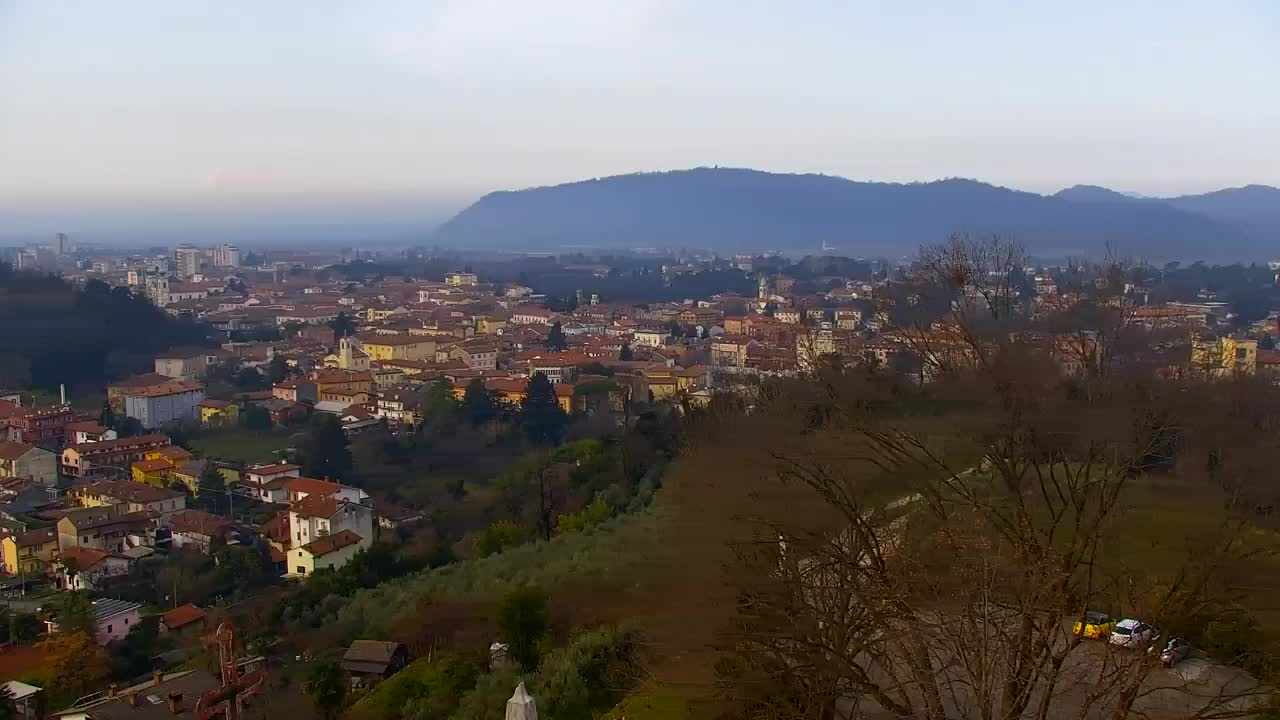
521, 705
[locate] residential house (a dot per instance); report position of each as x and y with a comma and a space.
45, 427
219, 412
369, 662
331, 379
133, 497
529, 315
391, 516
109, 457
650, 337
112, 620
87, 431
198, 529
258, 477
154, 472
82, 568
166, 696
117, 391
184, 620
19, 460
174, 402
318, 516
113, 528
558, 367
330, 551
477, 353
400, 405
187, 364
31, 552
26, 699
731, 350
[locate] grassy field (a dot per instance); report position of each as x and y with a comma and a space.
240, 445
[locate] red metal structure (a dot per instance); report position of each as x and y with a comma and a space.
228, 700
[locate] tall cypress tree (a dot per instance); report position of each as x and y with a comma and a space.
543, 418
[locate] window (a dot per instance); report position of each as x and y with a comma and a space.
302, 570
108, 628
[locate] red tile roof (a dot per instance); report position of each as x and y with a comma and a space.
13, 450
200, 523
328, 544
83, 557
317, 506
182, 616
310, 486
120, 443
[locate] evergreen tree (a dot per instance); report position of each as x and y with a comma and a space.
212, 488
478, 405
325, 453
277, 369
255, 418
626, 355
556, 340
327, 687
543, 418
107, 418
343, 325
522, 625
441, 406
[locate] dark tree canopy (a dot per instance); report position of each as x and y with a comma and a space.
325, 453
478, 404
544, 420
556, 341
56, 333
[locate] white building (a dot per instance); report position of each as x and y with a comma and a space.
186, 259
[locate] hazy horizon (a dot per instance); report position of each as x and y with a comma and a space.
237, 106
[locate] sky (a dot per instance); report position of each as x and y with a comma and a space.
146, 102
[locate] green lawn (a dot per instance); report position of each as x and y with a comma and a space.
240, 445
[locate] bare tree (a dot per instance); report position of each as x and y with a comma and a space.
969, 528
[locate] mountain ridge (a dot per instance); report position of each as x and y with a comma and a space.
744, 209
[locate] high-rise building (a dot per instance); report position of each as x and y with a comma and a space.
60, 244
226, 256
186, 260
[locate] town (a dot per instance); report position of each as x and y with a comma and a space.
341, 425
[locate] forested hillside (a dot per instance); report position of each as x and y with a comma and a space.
54, 332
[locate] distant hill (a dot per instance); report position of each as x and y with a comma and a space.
1253, 208
734, 209
1094, 193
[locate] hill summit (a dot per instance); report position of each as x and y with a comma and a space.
731, 209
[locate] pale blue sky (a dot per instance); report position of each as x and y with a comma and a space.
155, 101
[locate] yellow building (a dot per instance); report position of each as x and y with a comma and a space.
399, 346
31, 552
1224, 356
330, 551
512, 391
342, 381
153, 472
219, 412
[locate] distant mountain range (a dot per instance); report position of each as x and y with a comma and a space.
735, 209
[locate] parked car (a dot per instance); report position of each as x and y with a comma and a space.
1096, 625
1132, 633
1174, 652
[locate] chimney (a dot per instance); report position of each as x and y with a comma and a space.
132, 698
157, 677
111, 690
175, 703
62, 393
